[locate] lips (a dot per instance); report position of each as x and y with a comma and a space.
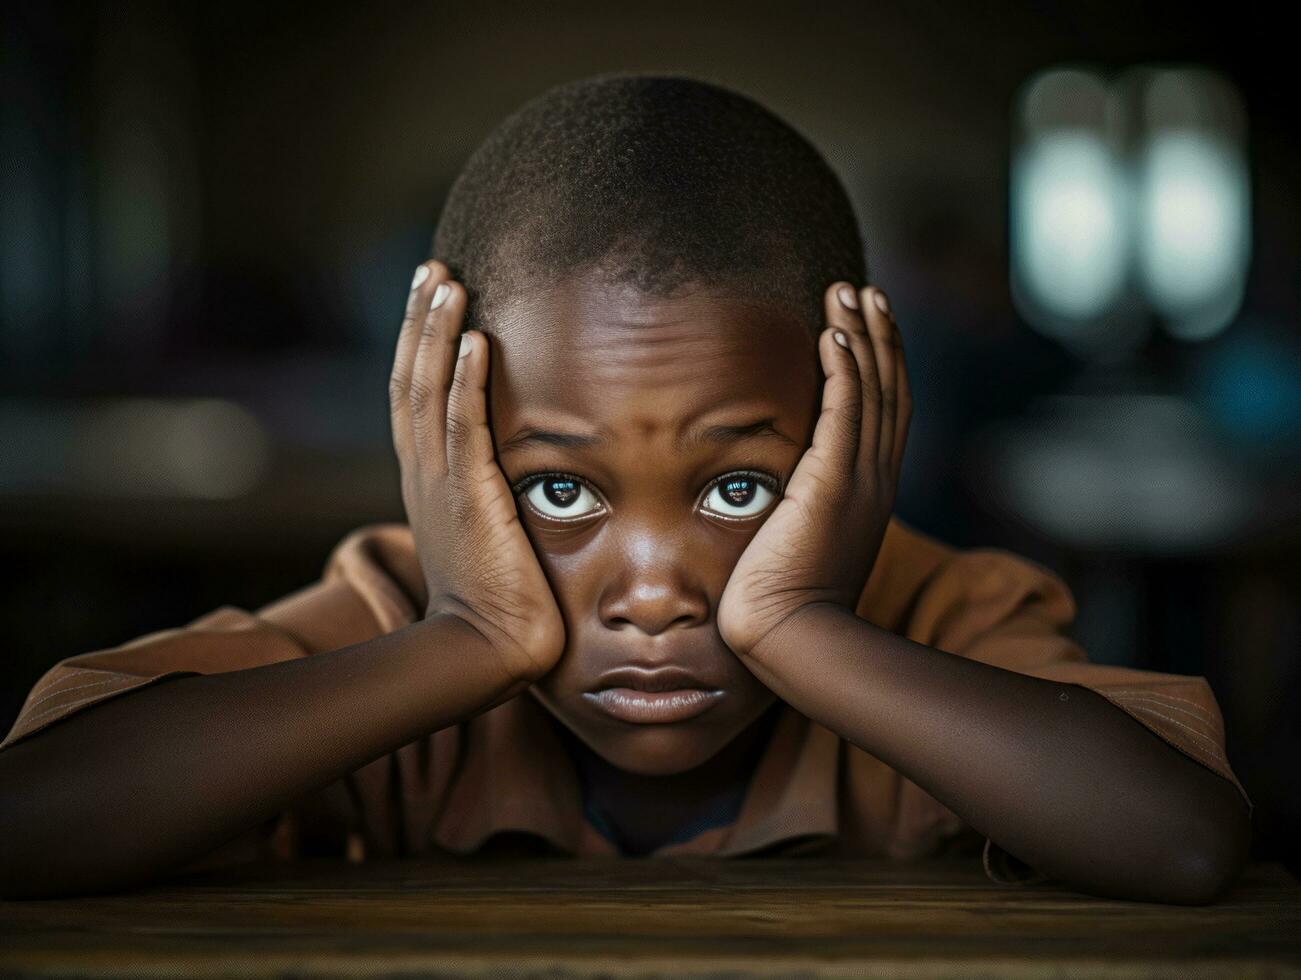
666, 678
651, 708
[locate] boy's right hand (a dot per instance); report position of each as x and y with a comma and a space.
477, 561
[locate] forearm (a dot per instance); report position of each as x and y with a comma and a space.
1053, 772
149, 780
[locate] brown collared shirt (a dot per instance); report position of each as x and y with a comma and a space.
462, 788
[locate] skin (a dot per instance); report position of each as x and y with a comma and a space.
641, 576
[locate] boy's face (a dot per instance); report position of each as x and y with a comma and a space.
639, 549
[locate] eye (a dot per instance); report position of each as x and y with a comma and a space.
562, 497
742, 495
556, 495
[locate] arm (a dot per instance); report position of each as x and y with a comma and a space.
1061, 777
152, 779
145, 782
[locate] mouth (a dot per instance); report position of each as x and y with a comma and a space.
668, 677
659, 696
653, 707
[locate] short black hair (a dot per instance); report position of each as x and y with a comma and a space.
658, 181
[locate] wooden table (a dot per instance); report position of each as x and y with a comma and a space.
559, 917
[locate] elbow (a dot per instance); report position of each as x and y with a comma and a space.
1201, 871
1205, 874
1203, 881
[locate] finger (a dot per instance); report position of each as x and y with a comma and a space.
849, 320
880, 328
431, 374
840, 421
469, 440
903, 417
426, 276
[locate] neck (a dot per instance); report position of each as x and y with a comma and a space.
649, 808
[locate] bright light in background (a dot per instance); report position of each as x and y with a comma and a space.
1129, 201
1129, 207
1071, 246
1193, 229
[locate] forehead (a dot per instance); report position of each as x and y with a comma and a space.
612, 358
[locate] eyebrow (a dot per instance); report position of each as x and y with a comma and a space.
696, 437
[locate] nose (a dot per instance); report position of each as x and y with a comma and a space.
654, 591
654, 606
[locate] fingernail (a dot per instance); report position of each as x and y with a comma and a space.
841, 339
440, 294
422, 273
466, 342
848, 297
882, 303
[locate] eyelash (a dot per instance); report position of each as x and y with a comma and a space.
772, 483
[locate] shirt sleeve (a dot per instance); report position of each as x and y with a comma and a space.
228, 638
1004, 610
326, 615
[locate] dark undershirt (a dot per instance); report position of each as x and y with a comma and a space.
717, 811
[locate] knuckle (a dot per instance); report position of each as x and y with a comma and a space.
421, 427
485, 481
848, 424
421, 394
849, 439
431, 325
456, 394
458, 435
397, 389
460, 511
871, 392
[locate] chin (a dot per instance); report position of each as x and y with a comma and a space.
657, 750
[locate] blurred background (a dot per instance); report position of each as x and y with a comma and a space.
1085, 216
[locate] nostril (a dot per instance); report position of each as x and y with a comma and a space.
653, 611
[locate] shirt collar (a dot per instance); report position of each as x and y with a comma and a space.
515, 775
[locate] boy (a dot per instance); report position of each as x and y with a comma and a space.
658, 605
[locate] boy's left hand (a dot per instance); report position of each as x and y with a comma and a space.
821, 541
